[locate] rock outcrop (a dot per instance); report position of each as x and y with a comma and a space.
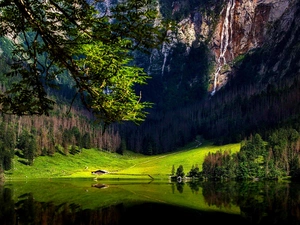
241, 26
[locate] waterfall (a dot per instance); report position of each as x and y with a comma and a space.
226, 36
165, 54
165, 51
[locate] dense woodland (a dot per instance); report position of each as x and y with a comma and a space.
276, 158
64, 132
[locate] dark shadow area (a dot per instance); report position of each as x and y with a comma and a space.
23, 161
155, 213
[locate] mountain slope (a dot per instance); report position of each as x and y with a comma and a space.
127, 166
252, 60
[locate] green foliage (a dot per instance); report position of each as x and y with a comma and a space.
111, 82
254, 148
27, 144
180, 171
256, 159
86, 141
219, 166
283, 146
194, 172
58, 37
7, 146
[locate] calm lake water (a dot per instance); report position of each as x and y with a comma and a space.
88, 202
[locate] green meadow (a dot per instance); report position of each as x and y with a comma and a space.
127, 166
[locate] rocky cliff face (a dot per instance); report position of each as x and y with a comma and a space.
241, 26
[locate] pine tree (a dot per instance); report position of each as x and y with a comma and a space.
27, 144
180, 172
173, 170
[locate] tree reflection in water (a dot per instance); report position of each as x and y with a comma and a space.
28, 211
259, 202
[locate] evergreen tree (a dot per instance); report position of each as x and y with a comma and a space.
27, 144
180, 172
122, 147
5, 158
194, 172
173, 170
86, 140
32, 145
7, 145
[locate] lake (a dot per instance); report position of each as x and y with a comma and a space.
88, 202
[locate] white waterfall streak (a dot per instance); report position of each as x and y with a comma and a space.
226, 36
165, 54
165, 50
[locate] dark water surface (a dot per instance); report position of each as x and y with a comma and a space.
105, 202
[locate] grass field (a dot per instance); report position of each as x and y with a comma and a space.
127, 166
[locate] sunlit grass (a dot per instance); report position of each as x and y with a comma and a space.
127, 166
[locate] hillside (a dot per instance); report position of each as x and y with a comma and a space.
128, 166
244, 54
